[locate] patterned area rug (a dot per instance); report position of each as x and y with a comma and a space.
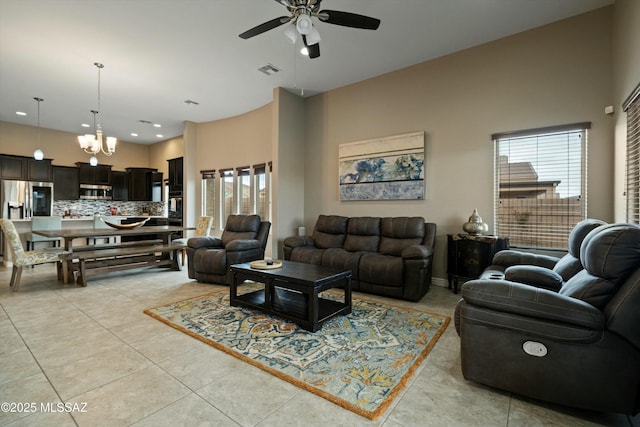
360, 361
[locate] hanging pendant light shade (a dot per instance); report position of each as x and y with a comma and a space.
38, 154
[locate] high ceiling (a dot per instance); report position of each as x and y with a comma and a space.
157, 54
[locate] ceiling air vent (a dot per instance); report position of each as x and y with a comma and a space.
268, 69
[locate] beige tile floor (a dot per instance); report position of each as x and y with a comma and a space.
94, 349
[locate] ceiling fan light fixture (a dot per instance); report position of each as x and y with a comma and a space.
290, 33
313, 37
304, 25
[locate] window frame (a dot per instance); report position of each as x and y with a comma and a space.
631, 106
539, 235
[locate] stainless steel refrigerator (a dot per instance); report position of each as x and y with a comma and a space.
23, 200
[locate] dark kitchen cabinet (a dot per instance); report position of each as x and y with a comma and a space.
175, 175
140, 183
12, 167
119, 184
66, 183
25, 168
39, 170
468, 256
95, 175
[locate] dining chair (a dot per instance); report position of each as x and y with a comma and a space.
202, 229
22, 258
43, 223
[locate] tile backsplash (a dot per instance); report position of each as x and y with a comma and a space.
102, 207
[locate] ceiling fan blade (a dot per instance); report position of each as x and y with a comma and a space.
314, 49
266, 26
348, 19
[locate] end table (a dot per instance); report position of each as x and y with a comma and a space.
468, 255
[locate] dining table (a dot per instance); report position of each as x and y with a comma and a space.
68, 235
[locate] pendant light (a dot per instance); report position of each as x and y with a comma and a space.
38, 154
92, 144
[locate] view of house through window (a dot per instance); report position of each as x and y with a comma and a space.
540, 185
243, 190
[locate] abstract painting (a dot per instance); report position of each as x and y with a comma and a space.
390, 168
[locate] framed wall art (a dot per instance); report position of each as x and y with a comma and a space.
390, 168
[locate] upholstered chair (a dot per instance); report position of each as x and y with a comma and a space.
244, 239
22, 258
203, 228
542, 270
43, 223
579, 346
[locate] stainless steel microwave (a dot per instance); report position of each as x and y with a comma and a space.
96, 192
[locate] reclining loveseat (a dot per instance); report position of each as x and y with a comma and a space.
577, 346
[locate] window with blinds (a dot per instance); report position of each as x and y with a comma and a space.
632, 176
242, 190
209, 194
540, 184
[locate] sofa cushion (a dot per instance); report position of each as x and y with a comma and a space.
533, 275
399, 233
330, 231
240, 227
210, 261
594, 290
342, 260
363, 234
381, 269
307, 254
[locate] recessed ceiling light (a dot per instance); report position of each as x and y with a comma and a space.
157, 125
134, 134
159, 136
21, 113
84, 125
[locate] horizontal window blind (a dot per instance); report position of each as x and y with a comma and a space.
632, 176
540, 185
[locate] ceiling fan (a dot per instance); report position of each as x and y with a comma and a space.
300, 23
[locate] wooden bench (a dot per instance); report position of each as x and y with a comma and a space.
101, 259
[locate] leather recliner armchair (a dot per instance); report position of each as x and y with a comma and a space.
244, 239
578, 347
542, 270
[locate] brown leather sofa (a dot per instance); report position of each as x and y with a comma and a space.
387, 256
579, 346
244, 239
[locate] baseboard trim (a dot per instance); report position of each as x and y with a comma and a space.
439, 281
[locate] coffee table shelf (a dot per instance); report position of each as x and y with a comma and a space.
292, 292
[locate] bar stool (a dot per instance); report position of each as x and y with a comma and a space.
43, 223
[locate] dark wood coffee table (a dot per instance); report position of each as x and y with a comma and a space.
292, 290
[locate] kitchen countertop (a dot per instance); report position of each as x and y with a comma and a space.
90, 218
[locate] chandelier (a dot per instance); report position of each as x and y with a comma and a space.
92, 144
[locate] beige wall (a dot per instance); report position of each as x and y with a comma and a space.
162, 151
288, 167
243, 140
626, 76
556, 74
64, 149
